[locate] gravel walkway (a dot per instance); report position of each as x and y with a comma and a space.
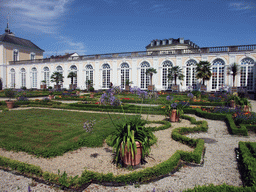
220, 167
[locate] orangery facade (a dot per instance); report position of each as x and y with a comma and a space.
23, 65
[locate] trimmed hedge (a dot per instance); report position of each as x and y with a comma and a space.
248, 162
145, 175
221, 188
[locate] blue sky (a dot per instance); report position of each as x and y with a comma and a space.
109, 26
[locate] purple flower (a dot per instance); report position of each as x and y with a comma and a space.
174, 105
169, 98
190, 95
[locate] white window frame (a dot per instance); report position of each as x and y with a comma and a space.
105, 76
34, 77
32, 56
218, 80
23, 77
46, 71
125, 75
15, 55
166, 67
12, 76
246, 67
144, 79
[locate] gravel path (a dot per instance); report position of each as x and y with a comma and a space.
220, 167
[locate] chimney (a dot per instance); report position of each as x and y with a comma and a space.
181, 40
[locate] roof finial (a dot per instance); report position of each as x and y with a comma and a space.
7, 30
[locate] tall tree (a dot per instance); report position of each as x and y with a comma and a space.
174, 73
150, 72
72, 75
57, 77
233, 70
203, 70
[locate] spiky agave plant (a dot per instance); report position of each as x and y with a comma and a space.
127, 133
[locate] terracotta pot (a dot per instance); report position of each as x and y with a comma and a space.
127, 88
78, 93
9, 104
51, 97
246, 108
174, 117
232, 104
127, 158
92, 96
43, 86
150, 87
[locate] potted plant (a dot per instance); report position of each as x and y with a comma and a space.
43, 84
173, 110
131, 141
72, 75
127, 85
203, 71
57, 78
10, 93
233, 70
174, 73
51, 95
150, 72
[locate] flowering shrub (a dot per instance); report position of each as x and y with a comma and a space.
190, 95
171, 105
109, 98
214, 99
244, 118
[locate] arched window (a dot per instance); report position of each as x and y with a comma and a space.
217, 74
191, 73
105, 76
166, 84
59, 69
144, 79
34, 77
88, 74
23, 77
246, 68
73, 68
124, 74
47, 75
12, 71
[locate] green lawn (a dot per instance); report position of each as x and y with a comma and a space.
50, 133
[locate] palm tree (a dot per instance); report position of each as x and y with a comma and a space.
57, 77
203, 70
72, 75
150, 72
174, 73
233, 70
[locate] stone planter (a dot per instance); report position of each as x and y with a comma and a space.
51, 97
127, 158
9, 104
72, 86
246, 108
127, 88
174, 116
151, 87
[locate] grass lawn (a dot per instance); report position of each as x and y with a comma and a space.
50, 133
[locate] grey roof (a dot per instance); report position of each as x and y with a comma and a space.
174, 42
9, 38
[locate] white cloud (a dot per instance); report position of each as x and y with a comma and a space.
242, 6
37, 14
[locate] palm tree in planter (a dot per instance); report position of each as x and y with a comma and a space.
174, 73
150, 72
233, 70
72, 75
57, 78
203, 71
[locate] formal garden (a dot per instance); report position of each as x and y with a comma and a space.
49, 128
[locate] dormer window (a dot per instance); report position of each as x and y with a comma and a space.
32, 56
15, 55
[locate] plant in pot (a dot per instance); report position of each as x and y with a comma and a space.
72, 75
203, 71
127, 85
43, 84
150, 72
173, 110
51, 95
174, 73
130, 139
57, 78
10, 93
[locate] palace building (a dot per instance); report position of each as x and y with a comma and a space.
22, 65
